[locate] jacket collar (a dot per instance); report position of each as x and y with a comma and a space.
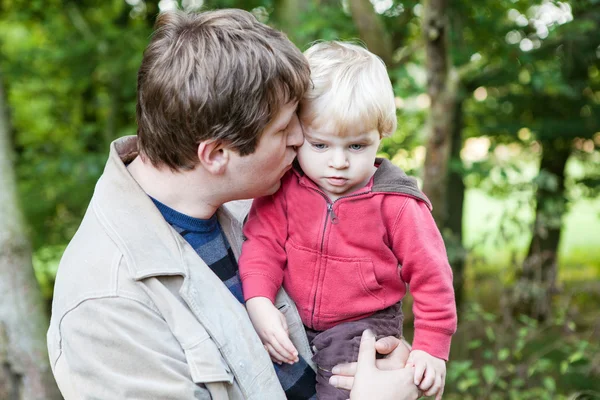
132, 220
391, 179
387, 179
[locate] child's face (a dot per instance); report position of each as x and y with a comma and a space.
338, 164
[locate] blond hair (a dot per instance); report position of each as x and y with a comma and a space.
219, 75
350, 89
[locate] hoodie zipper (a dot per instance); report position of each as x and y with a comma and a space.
334, 220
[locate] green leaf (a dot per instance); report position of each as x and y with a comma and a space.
518, 383
489, 373
464, 385
564, 365
578, 355
503, 354
549, 384
489, 332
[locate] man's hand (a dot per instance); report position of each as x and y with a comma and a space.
368, 379
272, 329
396, 353
430, 373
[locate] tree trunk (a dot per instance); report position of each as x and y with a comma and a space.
24, 368
455, 202
442, 81
538, 278
287, 18
371, 30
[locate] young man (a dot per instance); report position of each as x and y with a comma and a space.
147, 298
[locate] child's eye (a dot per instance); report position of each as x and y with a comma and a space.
318, 146
356, 146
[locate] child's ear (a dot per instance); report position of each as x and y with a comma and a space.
213, 155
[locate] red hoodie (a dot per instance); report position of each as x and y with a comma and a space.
344, 260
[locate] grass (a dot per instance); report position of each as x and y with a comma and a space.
579, 248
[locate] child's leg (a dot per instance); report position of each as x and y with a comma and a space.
340, 345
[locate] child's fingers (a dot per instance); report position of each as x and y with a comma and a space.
436, 387
283, 322
440, 393
287, 347
419, 371
275, 356
428, 379
282, 349
281, 352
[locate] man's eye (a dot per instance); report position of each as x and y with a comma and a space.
318, 146
356, 146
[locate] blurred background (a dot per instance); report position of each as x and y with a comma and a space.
499, 118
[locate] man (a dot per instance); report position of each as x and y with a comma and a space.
147, 298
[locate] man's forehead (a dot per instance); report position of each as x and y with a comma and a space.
285, 113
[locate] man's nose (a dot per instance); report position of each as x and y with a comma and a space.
295, 136
338, 159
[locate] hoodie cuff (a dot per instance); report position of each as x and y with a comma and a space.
433, 342
259, 286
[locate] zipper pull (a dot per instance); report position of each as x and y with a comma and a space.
334, 218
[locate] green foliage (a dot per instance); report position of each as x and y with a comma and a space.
70, 73
522, 359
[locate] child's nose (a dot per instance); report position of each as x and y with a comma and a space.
338, 160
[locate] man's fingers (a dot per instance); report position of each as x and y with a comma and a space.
348, 369
389, 364
342, 382
396, 358
428, 380
366, 352
387, 344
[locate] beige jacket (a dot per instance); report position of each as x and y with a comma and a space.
138, 315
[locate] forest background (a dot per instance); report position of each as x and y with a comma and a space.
499, 118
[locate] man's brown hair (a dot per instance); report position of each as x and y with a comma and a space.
218, 75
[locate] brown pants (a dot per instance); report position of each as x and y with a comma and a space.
340, 344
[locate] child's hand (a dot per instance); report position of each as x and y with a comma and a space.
430, 373
272, 329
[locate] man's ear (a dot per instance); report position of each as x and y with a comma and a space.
213, 155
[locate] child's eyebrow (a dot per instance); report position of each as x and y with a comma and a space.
365, 137
315, 137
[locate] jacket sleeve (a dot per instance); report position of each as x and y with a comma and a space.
418, 245
116, 355
263, 257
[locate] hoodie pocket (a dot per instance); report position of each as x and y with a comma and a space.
349, 289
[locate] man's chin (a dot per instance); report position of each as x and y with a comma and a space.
273, 189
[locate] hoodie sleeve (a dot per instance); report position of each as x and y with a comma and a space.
263, 257
418, 245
